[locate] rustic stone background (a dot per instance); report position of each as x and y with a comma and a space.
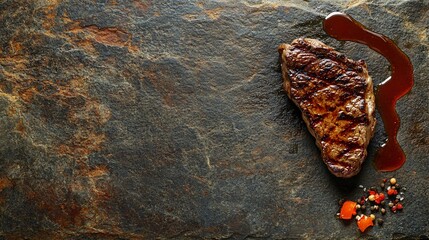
126, 119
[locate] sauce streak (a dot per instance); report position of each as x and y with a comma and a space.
390, 156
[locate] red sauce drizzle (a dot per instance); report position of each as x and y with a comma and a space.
390, 156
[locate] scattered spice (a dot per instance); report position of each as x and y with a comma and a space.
348, 210
376, 200
364, 222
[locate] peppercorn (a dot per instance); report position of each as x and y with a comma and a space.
380, 221
390, 204
393, 187
372, 189
397, 186
375, 207
399, 206
357, 206
394, 209
379, 197
372, 216
363, 207
382, 202
372, 208
382, 185
362, 200
393, 181
341, 201
383, 211
392, 192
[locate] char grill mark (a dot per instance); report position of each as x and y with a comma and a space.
336, 99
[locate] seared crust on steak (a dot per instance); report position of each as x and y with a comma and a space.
335, 95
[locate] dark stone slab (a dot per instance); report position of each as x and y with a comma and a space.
167, 119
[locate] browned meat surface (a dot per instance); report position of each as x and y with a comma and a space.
335, 95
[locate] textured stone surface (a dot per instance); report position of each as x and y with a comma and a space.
142, 119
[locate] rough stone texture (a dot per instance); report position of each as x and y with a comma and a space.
142, 119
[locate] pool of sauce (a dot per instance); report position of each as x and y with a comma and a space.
340, 26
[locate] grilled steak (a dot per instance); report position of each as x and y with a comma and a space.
335, 95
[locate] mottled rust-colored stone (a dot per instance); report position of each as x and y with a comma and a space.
167, 119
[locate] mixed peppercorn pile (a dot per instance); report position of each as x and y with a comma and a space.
390, 197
